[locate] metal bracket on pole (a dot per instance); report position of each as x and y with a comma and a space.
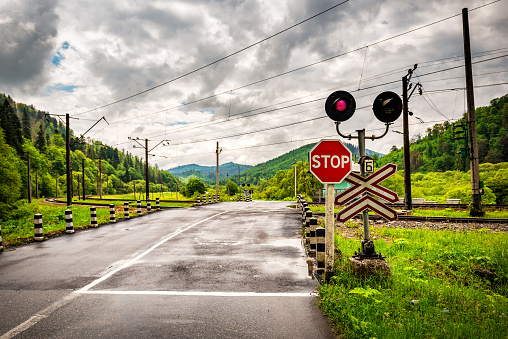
372, 137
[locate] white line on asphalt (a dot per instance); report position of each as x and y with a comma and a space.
129, 263
202, 294
62, 302
38, 317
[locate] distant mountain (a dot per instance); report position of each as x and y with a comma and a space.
207, 173
268, 169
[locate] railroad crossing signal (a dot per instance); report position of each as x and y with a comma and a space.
368, 185
366, 202
330, 161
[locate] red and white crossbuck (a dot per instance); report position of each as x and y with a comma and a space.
367, 186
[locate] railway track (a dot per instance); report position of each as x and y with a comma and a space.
435, 206
435, 219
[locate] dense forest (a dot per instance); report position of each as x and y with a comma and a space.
437, 151
26, 131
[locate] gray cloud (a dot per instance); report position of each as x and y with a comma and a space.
27, 31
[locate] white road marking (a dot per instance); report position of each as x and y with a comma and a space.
62, 302
132, 261
202, 294
38, 317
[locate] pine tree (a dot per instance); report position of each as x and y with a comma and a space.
11, 125
40, 140
27, 130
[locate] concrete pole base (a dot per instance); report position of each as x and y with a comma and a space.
365, 268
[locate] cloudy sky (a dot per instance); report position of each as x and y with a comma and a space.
91, 58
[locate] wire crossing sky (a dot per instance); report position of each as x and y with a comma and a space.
249, 74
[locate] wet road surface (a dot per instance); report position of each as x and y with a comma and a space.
228, 270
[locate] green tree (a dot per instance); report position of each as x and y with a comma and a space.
193, 185
40, 139
27, 130
9, 189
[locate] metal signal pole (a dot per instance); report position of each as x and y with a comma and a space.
471, 120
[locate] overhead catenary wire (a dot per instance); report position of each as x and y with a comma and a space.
216, 61
278, 75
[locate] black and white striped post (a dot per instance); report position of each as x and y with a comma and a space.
69, 225
312, 235
112, 213
218, 197
157, 204
93, 216
38, 227
209, 198
148, 206
126, 210
1, 244
139, 207
198, 200
306, 219
320, 248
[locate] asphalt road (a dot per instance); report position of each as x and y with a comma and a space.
228, 270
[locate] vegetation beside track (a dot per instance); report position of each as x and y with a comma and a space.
445, 284
20, 228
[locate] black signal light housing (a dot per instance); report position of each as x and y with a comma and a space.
340, 106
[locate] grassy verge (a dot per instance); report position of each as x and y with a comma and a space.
20, 228
132, 203
142, 196
444, 284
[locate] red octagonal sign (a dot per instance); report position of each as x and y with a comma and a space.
330, 161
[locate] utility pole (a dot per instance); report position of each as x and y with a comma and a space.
100, 178
217, 151
68, 159
146, 172
83, 175
146, 161
408, 201
79, 191
296, 164
227, 178
471, 121
239, 179
29, 180
36, 182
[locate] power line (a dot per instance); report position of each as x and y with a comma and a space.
301, 68
216, 61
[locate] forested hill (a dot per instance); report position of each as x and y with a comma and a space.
25, 130
437, 151
268, 169
207, 173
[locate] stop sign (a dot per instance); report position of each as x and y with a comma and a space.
330, 161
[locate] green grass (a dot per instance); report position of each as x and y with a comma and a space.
132, 203
142, 196
448, 212
19, 228
436, 268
